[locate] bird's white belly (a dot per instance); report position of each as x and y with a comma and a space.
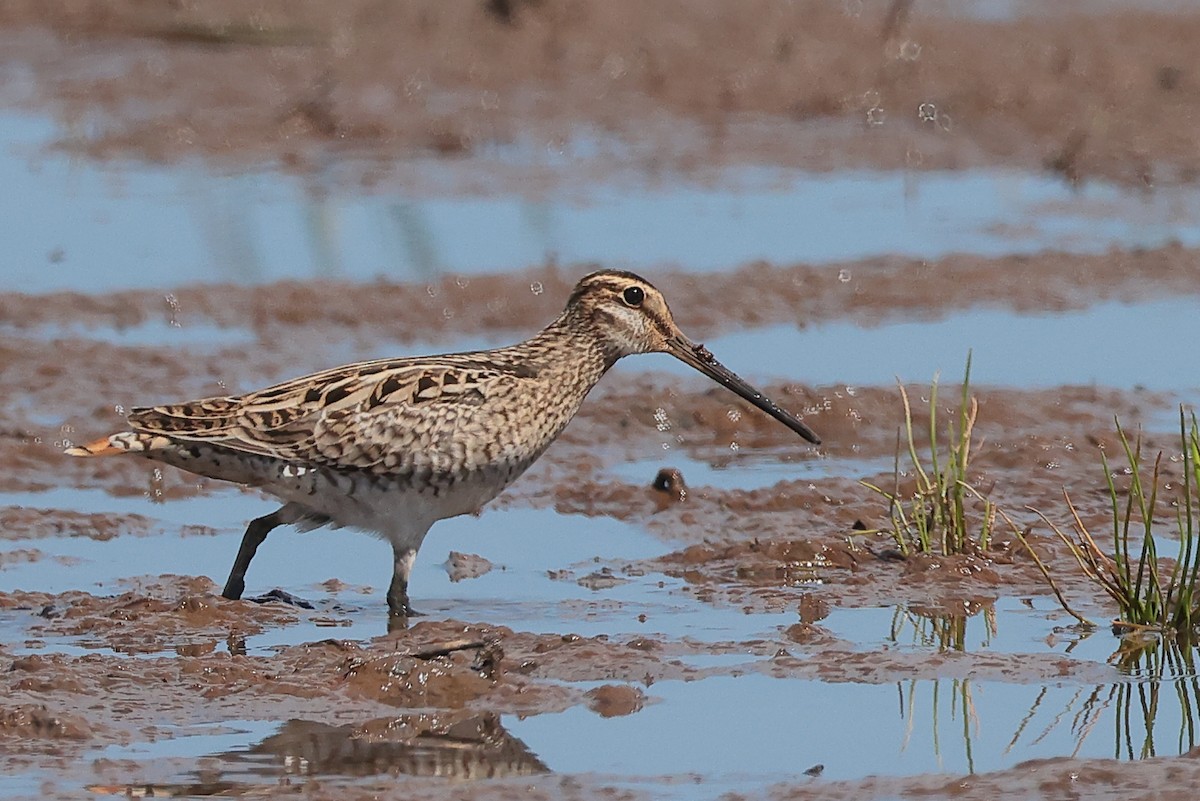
400, 510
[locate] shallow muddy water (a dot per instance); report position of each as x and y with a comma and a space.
1107, 344
734, 629
126, 226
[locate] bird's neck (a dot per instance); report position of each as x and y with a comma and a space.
570, 346
556, 369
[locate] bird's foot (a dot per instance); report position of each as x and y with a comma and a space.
283, 596
397, 600
403, 611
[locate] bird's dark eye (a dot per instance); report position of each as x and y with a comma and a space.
633, 296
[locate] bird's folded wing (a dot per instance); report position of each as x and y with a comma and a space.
350, 417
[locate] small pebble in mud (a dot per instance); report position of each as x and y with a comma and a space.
461, 566
643, 644
615, 700
670, 481
602, 579
812, 608
807, 633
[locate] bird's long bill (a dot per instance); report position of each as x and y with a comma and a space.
699, 357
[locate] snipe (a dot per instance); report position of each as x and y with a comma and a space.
392, 446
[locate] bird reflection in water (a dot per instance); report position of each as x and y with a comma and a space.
440, 744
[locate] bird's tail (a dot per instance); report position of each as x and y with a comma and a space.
124, 442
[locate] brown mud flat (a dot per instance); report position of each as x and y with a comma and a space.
1171, 779
1081, 91
408, 693
515, 304
166, 656
1036, 441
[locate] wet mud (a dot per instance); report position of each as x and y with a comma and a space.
1049, 779
868, 293
1074, 90
132, 680
166, 655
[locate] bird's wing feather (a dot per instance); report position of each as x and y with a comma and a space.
349, 417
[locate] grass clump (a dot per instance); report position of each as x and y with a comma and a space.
1152, 596
938, 513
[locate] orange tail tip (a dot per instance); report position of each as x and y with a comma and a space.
101, 447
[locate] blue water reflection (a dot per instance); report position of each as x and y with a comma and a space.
76, 225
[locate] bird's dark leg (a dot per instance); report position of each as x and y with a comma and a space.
256, 532
397, 596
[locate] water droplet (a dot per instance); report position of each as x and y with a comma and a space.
537, 288
910, 50
927, 112
661, 421
876, 115
119, 409
844, 276
614, 65
462, 283
155, 492
734, 415
945, 122
431, 291
851, 391
448, 313
489, 100
173, 304
733, 446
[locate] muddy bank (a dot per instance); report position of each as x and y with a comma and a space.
515, 304
1047, 779
713, 564
166, 659
1032, 443
1108, 93
187, 637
